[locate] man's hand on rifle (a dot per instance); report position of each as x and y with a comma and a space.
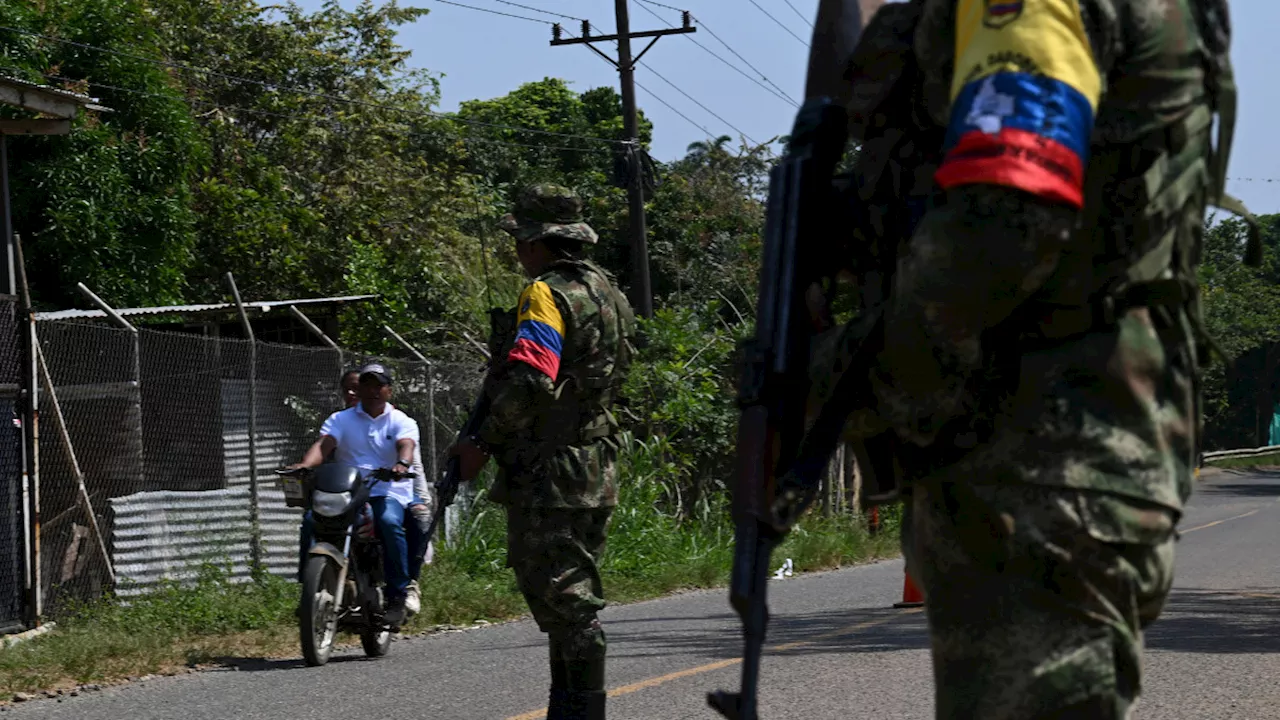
471, 459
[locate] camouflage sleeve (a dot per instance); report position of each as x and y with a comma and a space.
525, 381
1023, 85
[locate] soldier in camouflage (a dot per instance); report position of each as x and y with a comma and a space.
1043, 343
552, 433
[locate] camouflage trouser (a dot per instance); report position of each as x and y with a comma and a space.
555, 555
1036, 596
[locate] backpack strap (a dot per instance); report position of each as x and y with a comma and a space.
1215, 38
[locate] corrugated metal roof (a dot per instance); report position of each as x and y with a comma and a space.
59, 92
262, 305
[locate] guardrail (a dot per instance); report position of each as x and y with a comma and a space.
1239, 453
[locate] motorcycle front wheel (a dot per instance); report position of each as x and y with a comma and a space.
375, 640
319, 617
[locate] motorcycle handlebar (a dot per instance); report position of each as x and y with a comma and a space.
376, 474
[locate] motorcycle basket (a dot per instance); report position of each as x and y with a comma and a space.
296, 489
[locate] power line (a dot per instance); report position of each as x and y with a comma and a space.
335, 98
729, 47
682, 92
667, 7
778, 93
695, 101
306, 118
677, 112
548, 12
784, 27
325, 96
797, 12
571, 35
495, 12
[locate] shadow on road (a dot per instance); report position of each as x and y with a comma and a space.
1218, 621
720, 636
250, 664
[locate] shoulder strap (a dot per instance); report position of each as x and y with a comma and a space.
1214, 23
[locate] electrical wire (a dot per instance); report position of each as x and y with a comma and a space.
311, 118
779, 23
303, 91
548, 12
687, 119
797, 12
495, 12
696, 102
336, 98
702, 25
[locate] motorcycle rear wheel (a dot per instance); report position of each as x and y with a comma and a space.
318, 626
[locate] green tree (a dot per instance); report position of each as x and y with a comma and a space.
110, 204
1242, 313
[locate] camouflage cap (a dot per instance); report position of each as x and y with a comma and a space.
548, 210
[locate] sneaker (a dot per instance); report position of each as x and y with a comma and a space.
413, 599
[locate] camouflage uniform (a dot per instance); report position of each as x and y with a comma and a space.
1042, 339
552, 433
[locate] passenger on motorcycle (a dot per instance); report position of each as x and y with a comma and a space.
375, 434
419, 514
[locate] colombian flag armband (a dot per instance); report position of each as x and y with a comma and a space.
1023, 98
539, 330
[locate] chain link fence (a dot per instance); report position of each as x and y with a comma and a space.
14, 539
147, 469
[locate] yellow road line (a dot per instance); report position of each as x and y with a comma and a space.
1218, 522
709, 667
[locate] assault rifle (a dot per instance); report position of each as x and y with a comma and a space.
501, 331
775, 385
447, 487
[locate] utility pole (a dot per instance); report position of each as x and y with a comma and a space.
641, 292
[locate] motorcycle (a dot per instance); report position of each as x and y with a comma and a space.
342, 580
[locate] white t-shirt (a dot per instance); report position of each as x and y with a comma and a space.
370, 443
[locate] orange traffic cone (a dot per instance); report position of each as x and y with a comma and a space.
911, 595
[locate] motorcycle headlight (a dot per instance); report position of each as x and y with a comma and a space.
329, 504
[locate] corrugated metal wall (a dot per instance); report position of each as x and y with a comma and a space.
169, 533
277, 446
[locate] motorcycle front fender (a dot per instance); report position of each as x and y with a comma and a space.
331, 552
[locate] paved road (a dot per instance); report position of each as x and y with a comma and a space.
845, 652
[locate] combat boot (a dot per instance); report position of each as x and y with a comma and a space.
558, 696
557, 704
586, 705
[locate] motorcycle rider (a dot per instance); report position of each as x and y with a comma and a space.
368, 435
419, 510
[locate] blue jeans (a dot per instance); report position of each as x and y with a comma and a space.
403, 545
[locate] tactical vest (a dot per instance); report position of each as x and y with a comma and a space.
590, 379
1144, 196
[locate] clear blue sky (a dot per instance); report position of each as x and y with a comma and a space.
483, 55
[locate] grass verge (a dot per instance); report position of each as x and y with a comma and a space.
213, 621
1271, 460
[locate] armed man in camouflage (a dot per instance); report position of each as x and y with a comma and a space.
552, 433
1042, 336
